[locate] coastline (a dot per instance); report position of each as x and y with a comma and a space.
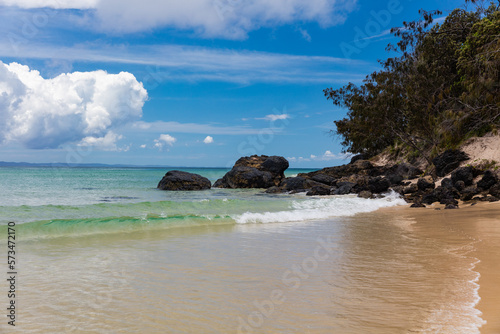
480, 223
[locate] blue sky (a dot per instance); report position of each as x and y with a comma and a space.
193, 83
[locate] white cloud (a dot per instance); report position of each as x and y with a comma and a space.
305, 34
328, 155
181, 62
58, 4
208, 140
75, 107
231, 19
274, 117
106, 143
143, 146
162, 126
165, 139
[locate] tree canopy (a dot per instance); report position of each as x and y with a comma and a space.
443, 87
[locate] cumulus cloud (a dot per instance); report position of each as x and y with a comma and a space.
208, 140
79, 107
165, 139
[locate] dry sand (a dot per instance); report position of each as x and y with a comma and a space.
480, 222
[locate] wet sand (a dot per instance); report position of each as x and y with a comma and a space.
481, 223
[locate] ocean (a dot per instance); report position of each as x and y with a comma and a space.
101, 250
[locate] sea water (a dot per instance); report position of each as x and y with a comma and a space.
101, 250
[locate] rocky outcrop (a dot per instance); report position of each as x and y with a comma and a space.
178, 180
255, 172
448, 161
365, 179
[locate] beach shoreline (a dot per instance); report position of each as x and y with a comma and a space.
481, 223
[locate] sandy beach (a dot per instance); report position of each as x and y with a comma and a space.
480, 223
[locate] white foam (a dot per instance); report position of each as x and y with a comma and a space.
321, 208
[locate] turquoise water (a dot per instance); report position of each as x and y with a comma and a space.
101, 250
49, 202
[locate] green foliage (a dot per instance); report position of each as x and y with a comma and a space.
442, 88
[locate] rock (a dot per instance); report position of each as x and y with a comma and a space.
460, 185
358, 157
412, 188
177, 180
378, 185
493, 199
430, 198
365, 194
468, 193
297, 183
465, 174
359, 167
448, 161
495, 190
417, 205
397, 189
318, 191
395, 179
344, 188
255, 172
451, 206
425, 183
446, 183
405, 170
489, 179
272, 190
246, 177
326, 179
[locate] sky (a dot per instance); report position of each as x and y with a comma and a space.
194, 83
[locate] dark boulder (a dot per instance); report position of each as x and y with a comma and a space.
395, 179
378, 185
417, 204
460, 185
255, 172
451, 207
344, 188
318, 191
448, 161
425, 183
430, 198
412, 188
447, 183
465, 174
365, 194
405, 170
177, 180
469, 192
246, 177
488, 180
296, 183
359, 167
495, 190
326, 179
358, 157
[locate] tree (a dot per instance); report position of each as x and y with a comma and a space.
441, 88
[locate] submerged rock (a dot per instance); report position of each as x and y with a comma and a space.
178, 180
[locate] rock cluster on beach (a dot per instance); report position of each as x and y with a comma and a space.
446, 183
